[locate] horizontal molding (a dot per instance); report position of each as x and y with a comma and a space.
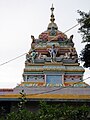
48, 96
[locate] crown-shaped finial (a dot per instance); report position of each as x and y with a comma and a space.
52, 15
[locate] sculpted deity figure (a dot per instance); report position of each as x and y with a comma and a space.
33, 55
53, 53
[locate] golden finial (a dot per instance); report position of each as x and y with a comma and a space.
52, 15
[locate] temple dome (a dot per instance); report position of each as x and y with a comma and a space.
52, 31
52, 25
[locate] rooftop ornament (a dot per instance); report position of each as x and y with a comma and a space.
52, 15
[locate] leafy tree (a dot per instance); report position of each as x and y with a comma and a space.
85, 32
21, 115
51, 112
47, 111
85, 56
85, 25
23, 100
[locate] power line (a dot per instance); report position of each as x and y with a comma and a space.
62, 87
59, 88
46, 42
71, 28
34, 49
12, 59
86, 78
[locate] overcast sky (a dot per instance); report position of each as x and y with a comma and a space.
19, 19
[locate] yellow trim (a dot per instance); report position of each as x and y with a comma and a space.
54, 63
75, 82
74, 70
51, 69
33, 70
31, 82
72, 64
31, 64
63, 70
48, 96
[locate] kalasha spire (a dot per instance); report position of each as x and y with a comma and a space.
52, 15
52, 19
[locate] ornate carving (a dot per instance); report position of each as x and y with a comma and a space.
53, 53
33, 39
52, 32
33, 56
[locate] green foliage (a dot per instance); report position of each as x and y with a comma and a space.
75, 113
85, 32
46, 111
23, 100
85, 56
85, 25
63, 112
21, 115
51, 112
2, 111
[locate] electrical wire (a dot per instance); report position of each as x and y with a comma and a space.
86, 78
59, 88
71, 28
34, 49
12, 59
46, 42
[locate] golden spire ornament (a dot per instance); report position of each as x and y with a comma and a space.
52, 15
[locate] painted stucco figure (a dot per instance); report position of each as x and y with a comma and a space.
53, 53
33, 56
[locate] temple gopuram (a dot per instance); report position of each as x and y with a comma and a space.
52, 60
52, 71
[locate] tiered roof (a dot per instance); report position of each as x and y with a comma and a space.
58, 77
